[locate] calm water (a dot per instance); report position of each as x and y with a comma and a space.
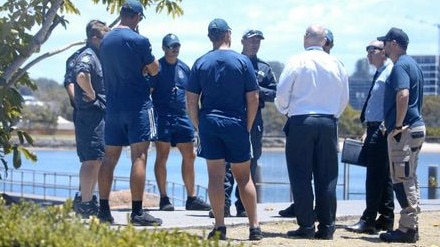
272, 163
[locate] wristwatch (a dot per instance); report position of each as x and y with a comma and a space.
398, 127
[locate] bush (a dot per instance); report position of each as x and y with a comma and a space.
29, 224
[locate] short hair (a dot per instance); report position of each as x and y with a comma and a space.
127, 13
217, 36
95, 28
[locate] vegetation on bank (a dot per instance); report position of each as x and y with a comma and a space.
29, 224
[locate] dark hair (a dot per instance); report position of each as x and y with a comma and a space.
216, 36
95, 28
126, 12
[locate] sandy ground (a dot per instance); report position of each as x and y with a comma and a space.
275, 234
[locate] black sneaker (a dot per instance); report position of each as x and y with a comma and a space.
241, 213
105, 217
87, 209
145, 219
76, 200
196, 203
397, 236
255, 233
227, 213
165, 204
288, 212
218, 233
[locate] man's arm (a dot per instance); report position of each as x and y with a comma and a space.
84, 81
192, 106
70, 89
268, 87
251, 107
152, 68
402, 99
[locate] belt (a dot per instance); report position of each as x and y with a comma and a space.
313, 115
373, 124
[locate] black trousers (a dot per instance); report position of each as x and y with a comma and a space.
378, 184
311, 153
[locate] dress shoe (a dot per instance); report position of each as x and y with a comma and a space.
325, 232
384, 224
288, 212
397, 236
302, 232
362, 227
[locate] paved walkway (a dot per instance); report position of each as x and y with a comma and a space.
267, 212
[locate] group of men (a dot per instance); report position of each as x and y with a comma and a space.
220, 100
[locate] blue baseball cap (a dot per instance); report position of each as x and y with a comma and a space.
328, 36
218, 25
133, 6
170, 40
396, 34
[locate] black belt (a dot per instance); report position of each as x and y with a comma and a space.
313, 115
373, 124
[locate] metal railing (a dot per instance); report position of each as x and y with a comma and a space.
48, 185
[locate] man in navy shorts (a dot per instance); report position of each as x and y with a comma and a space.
225, 82
89, 100
174, 128
126, 58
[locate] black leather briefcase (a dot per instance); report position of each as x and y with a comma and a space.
352, 152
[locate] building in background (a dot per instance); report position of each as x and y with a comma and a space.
430, 65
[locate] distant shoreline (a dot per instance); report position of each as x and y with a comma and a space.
68, 143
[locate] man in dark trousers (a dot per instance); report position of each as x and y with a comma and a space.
378, 185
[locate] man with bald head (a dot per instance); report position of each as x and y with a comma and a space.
313, 92
378, 185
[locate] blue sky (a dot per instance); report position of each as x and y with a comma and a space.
354, 25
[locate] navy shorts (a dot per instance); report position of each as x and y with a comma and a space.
125, 128
174, 129
89, 134
224, 138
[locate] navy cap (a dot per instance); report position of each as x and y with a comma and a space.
396, 34
253, 33
170, 40
218, 25
133, 6
328, 36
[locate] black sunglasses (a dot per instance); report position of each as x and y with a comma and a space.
372, 48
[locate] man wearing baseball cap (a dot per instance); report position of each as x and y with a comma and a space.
224, 81
126, 58
251, 41
406, 133
174, 128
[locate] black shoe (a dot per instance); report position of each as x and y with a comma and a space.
105, 217
303, 232
76, 200
241, 213
227, 213
288, 212
87, 209
165, 204
397, 236
196, 203
384, 224
218, 233
255, 233
325, 233
362, 227
145, 219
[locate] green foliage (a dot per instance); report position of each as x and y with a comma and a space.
349, 123
28, 224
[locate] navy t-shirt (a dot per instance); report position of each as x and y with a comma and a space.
223, 77
169, 87
406, 74
124, 53
88, 62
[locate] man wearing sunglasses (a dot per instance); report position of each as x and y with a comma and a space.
174, 128
378, 185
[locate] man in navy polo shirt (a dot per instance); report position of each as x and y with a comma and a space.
224, 81
174, 128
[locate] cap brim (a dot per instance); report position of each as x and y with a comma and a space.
382, 38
